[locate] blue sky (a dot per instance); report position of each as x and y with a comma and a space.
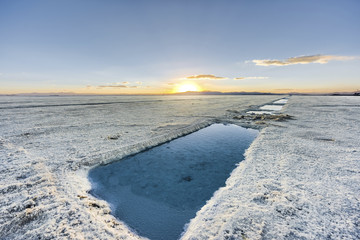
153, 46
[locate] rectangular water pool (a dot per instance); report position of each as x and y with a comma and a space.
158, 191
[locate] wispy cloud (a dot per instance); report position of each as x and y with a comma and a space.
244, 78
205, 76
322, 59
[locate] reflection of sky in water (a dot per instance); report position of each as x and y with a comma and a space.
281, 101
157, 191
271, 107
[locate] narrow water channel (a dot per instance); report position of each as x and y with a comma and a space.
158, 191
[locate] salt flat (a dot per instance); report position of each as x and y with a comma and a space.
300, 178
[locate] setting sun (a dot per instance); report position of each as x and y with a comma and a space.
187, 87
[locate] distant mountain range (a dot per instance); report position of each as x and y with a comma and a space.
356, 93
224, 93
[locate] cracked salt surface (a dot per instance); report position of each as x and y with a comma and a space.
158, 191
300, 178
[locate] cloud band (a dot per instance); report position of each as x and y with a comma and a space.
322, 59
243, 78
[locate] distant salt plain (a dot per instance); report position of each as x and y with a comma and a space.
48, 144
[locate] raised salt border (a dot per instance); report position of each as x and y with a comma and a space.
259, 112
156, 192
300, 178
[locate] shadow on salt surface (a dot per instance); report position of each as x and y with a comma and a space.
156, 192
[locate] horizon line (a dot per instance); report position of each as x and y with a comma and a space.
356, 93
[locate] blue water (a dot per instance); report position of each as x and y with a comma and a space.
158, 191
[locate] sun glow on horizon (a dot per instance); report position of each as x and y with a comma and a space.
187, 87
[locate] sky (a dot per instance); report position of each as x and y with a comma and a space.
147, 47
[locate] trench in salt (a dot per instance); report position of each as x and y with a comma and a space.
157, 191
